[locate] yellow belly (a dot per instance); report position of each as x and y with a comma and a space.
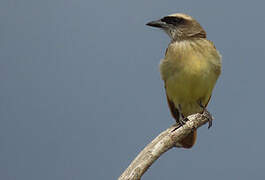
190, 73
188, 89
192, 81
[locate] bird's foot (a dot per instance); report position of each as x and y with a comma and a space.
207, 114
182, 119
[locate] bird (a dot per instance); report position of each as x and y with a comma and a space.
190, 69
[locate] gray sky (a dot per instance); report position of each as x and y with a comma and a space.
81, 93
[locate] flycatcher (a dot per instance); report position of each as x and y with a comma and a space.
190, 68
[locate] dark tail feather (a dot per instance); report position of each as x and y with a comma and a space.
189, 140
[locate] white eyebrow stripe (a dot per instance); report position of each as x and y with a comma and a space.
184, 16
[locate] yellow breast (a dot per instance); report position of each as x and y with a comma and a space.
190, 71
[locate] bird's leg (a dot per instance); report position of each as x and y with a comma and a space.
182, 118
201, 105
206, 113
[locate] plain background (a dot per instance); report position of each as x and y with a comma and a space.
81, 93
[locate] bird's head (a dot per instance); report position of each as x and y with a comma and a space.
179, 27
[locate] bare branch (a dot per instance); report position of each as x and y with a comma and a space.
162, 143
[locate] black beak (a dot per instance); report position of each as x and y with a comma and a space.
157, 24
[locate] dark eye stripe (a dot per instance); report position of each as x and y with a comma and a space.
173, 20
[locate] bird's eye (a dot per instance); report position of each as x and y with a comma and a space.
172, 20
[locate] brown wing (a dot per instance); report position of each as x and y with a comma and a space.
208, 101
174, 111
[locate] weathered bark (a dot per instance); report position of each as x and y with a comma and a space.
162, 143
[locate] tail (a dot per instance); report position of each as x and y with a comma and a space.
189, 140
